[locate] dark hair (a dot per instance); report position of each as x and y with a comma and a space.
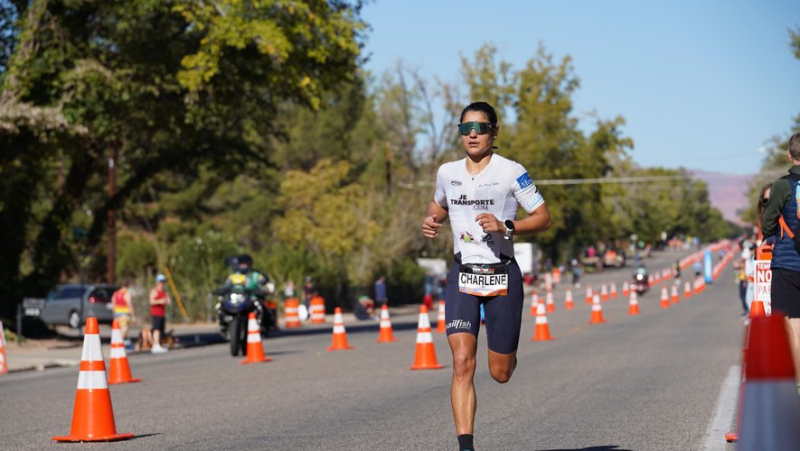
488, 110
761, 207
794, 146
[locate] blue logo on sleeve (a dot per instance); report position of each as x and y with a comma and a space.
524, 181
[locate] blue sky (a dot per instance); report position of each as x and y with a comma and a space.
702, 84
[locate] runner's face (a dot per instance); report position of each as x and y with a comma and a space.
474, 144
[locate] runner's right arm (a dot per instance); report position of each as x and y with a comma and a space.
433, 222
436, 213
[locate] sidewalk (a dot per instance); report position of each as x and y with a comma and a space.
65, 351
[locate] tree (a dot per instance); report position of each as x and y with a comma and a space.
172, 86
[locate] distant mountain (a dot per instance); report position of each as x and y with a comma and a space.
727, 192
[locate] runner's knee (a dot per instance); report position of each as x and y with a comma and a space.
501, 373
463, 365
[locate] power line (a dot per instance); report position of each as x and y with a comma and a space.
589, 181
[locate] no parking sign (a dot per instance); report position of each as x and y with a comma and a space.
763, 282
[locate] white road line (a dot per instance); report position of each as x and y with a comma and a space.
724, 412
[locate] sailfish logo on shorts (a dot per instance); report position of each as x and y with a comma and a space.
459, 324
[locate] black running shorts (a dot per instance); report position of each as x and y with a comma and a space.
785, 292
158, 323
503, 313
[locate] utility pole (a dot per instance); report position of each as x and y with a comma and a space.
111, 260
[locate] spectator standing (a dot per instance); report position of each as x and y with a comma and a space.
308, 291
576, 273
159, 300
123, 310
380, 293
779, 225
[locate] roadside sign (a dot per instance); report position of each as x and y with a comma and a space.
763, 282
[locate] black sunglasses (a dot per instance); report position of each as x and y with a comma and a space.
481, 128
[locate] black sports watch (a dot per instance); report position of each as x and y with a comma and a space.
509, 229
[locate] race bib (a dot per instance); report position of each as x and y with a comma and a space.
483, 284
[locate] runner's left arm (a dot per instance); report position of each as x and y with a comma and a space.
531, 200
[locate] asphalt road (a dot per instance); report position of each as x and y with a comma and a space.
635, 383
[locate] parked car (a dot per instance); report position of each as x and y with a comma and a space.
63, 305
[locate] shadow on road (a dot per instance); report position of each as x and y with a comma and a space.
590, 448
138, 436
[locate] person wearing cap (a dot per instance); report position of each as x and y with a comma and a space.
159, 300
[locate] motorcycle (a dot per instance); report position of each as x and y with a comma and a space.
641, 282
235, 304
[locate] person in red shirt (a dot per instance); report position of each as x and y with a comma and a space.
159, 300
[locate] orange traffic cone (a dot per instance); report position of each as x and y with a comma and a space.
568, 304
664, 298
339, 334
658, 279
613, 290
441, 325
666, 275
541, 331
385, 333
633, 304
550, 303
534, 302
255, 348
93, 415
604, 293
771, 408
625, 289
290, 308
597, 311
589, 295
757, 309
674, 295
3, 357
317, 307
425, 355
687, 290
699, 285
119, 371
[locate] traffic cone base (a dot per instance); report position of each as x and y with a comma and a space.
93, 415
425, 354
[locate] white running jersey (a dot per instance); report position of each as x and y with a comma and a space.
496, 190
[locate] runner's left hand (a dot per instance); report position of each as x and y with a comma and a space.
490, 223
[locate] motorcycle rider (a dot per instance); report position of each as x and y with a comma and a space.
253, 282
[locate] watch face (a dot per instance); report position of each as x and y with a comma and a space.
509, 225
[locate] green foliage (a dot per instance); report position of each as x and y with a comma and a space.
198, 267
174, 87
